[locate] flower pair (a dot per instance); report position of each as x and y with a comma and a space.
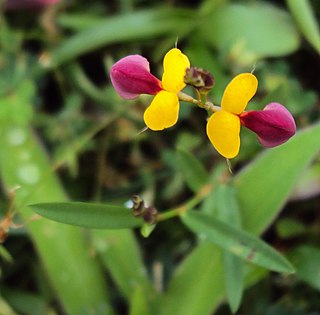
274, 125
131, 76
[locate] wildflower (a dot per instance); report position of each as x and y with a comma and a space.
131, 76
274, 125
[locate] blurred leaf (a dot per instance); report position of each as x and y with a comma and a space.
90, 215
250, 31
78, 22
25, 302
192, 170
138, 303
5, 255
5, 308
238, 242
228, 211
308, 185
306, 20
121, 256
288, 227
196, 286
259, 198
129, 27
23, 163
306, 260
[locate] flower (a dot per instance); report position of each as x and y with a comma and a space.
274, 124
131, 77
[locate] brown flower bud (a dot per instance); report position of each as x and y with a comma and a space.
200, 79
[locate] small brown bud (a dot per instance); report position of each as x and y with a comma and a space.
138, 207
200, 79
150, 215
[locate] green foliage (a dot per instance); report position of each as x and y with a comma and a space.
66, 137
306, 20
250, 32
90, 215
237, 242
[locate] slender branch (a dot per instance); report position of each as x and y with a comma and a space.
191, 203
201, 103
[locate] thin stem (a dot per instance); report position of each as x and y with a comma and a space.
191, 203
201, 102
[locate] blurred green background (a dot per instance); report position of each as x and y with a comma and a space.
66, 135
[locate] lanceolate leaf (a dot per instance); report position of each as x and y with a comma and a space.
238, 242
138, 25
228, 211
301, 149
265, 185
98, 216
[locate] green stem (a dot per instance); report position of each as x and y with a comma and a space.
201, 102
190, 204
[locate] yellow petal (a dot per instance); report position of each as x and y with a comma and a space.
175, 64
223, 130
163, 111
239, 92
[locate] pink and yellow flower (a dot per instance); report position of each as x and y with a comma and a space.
274, 125
131, 77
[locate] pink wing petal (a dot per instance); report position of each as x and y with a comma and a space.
274, 124
131, 76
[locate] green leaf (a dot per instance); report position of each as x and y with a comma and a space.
228, 211
251, 31
192, 170
266, 184
306, 260
120, 254
90, 215
240, 243
138, 303
129, 27
306, 20
196, 286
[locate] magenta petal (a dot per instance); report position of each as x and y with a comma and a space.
274, 124
131, 76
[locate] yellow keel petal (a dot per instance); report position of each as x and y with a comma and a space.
175, 64
163, 111
223, 130
239, 92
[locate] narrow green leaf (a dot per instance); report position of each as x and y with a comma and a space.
240, 243
129, 27
228, 211
192, 170
265, 185
197, 284
90, 215
24, 163
306, 20
120, 255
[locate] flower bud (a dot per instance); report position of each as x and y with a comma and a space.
131, 76
273, 125
200, 79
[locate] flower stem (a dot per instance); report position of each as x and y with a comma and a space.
201, 102
191, 203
